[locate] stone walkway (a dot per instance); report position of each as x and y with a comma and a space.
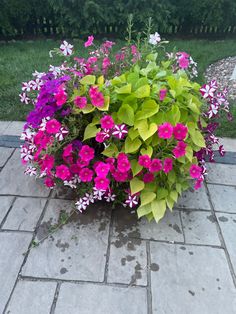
107, 262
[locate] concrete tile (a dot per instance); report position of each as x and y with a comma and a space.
3, 126
32, 297
194, 199
222, 174
5, 153
14, 181
229, 144
14, 128
200, 228
12, 247
77, 251
190, 279
126, 225
101, 299
128, 262
5, 204
228, 227
24, 214
223, 197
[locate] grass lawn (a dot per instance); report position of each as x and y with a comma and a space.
19, 59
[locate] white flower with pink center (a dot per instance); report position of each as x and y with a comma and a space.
55, 70
30, 171
61, 134
132, 201
110, 197
213, 110
98, 194
26, 154
24, 98
120, 131
88, 198
36, 84
81, 205
66, 48
27, 135
207, 91
26, 86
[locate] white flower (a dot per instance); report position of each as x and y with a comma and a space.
73, 182
26, 86
31, 171
27, 135
36, 85
61, 134
214, 139
132, 201
154, 39
55, 70
42, 126
88, 198
66, 48
98, 194
38, 75
80, 205
24, 98
110, 197
213, 110
26, 154
120, 130
207, 91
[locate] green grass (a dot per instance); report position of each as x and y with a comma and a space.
19, 59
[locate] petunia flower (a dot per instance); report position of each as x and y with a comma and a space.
195, 171
180, 131
154, 39
165, 130
120, 131
89, 42
81, 205
24, 98
66, 48
132, 201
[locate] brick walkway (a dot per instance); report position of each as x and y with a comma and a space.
106, 261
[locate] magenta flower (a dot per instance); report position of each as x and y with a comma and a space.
180, 149
62, 172
162, 94
47, 163
97, 98
156, 165
89, 42
107, 122
106, 63
49, 183
53, 126
86, 175
165, 130
198, 184
102, 169
61, 97
80, 102
221, 150
183, 60
120, 131
168, 165
148, 177
144, 161
120, 176
123, 164
101, 183
180, 131
195, 171
86, 153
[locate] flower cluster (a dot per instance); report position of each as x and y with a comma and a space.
127, 128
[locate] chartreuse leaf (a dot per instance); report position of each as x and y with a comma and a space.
189, 153
149, 108
147, 197
118, 80
142, 92
196, 135
100, 80
136, 185
89, 108
146, 130
158, 209
135, 167
126, 114
144, 210
133, 133
161, 193
170, 203
132, 146
147, 151
152, 57
88, 80
90, 131
174, 195
126, 89
105, 107
110, 151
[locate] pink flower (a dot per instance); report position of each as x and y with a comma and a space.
165, 130
198, 184
53, 126
162, 94
168, 165
102, 169
183, 60
89, 42
148, 177
107, 122
106, 63
180, 149
82, 163
180, 131
100, 137
86, 153
134, 50
62, 172
120, 176
80, 102
156, 165
97, 98
86, 175
120, 131
49, 182
75, 169
47, 163
195, 171
101, 183
144, 161
123, 164
61, 97
67, 150
221, 150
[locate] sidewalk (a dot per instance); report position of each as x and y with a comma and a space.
105, 261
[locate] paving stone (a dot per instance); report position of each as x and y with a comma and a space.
32, 297
194, 199
190, 279
223, 197
13, 181
222, 174
12, 247
5, 153
128, 262
77, 251
229, 144
14, 128
200, 228
24, 214
100, 299
5, 204
228, 227
126, 225
3, 126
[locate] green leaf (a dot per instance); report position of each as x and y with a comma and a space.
144, 210
136, 185
133, 133
152, 57
146, 130
105, 107
170, 203
161, 74
148, 151
161, 193
126, 89
147, 197
158, 209
142, 92
88, 80
126, 114
174, 195
100, 80
189, 153
90, 131
149, 108
132, 146
118, 80
135, 167
198, 139
110, 151
193, 106
89, 108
